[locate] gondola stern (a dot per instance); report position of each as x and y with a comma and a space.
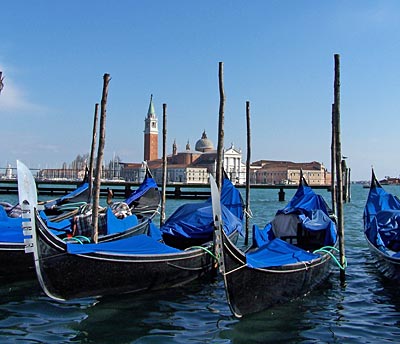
374, 181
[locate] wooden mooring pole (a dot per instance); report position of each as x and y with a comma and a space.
346, 181
100, 156
164, 175
218, 172
247, 207
339, 174
333, 163
92, 150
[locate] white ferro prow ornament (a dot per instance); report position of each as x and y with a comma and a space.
27, 195
28, 199
217, 215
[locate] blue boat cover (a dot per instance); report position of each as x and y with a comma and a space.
378, 199
10, 228
276, 253
195, 220
310, 210
62, 226
135, 245
304, 201
306, 210
319, 221
74, 194
231, 198
382, 219
116, 225
147, 184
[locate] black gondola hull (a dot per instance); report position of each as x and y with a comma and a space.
15, 263
66, 276
252, 290
388, 266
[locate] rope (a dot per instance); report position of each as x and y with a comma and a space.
325, 250
82, 237
72, 239
71, 206
236, 269
12, 209
79, 238
248, 213
204, 249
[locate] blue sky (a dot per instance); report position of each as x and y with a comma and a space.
279, 55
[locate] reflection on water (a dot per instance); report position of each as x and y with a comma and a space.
364, 309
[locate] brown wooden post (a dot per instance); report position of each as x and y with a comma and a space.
281, 195
345, 181
348, 185
246, 239
92, 150
99, 162
339, 174
333, 163
164, 176
220, 126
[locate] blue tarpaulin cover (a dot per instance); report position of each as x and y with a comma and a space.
379, 199
74, 194
63, 226
382, 219
312, 212
195, 220
231, 198
135, 245
276, 253
116, 225
306, 210
304, 201
147, 184
10, 228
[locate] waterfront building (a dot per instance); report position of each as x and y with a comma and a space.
151, 133
287, 172
187, 166
192, 166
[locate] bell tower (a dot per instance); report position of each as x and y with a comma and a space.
151, 134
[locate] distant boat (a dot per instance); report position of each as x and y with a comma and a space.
288, 258
382, 229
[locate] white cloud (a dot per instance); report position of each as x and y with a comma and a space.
13, 98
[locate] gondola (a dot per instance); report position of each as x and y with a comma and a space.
63, 217
15, 263
68, 270
288, 258
382, 229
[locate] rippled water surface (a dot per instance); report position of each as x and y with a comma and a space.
363, 310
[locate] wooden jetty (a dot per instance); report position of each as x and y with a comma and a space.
122, 189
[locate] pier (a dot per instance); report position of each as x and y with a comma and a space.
122, 189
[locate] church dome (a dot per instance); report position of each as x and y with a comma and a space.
204, 144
